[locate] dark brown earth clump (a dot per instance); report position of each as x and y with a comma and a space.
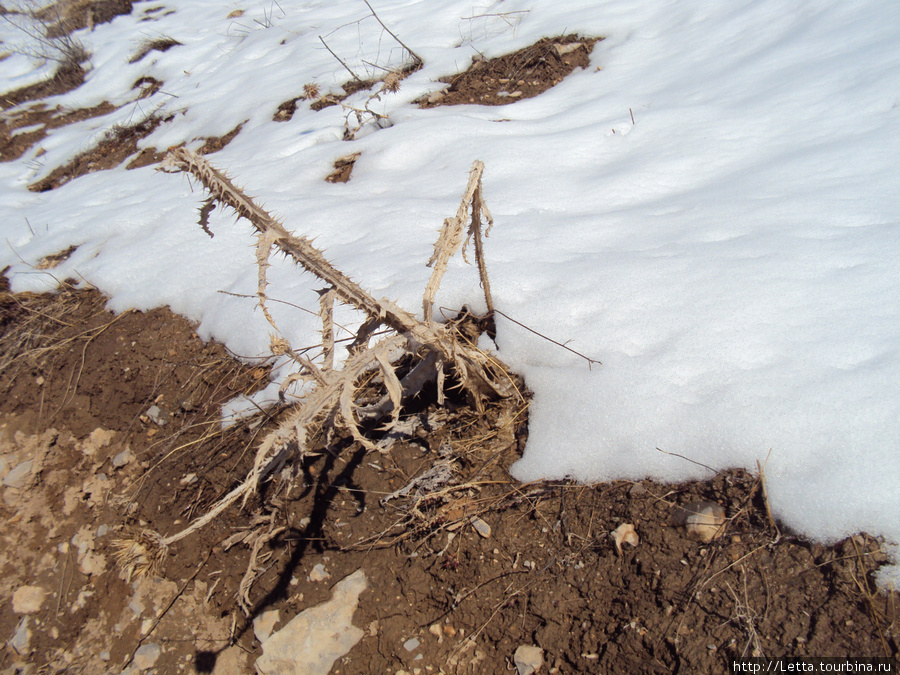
522, 74
120, 413
343, 167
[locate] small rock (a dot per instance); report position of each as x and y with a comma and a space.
146, 656
318, 573
562, 50
21, 638
314, 639
264, 624
481, 527
18, 477
158, 416
625, 534
411, 645
99, 438
701, 520
189, 479
637, 489
528, 659
28, 599
123, 458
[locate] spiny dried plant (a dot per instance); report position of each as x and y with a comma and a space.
311, 91
46, 32
364, 115
331, 393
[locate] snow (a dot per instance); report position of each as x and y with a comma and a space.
730, 257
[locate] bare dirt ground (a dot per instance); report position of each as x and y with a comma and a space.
115, 419
110, 425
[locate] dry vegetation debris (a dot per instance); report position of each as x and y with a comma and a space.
433, 353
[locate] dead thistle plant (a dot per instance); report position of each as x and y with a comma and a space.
46, 34
332, 392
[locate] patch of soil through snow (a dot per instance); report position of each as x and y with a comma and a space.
110, 424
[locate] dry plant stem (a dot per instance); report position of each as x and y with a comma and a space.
298, 248
253, 567
326, 302
475, 233
416, 58
471, 364
762, 482
332, 396
330, 51
451, 238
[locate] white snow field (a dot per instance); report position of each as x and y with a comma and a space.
731, 257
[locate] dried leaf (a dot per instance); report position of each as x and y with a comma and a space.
624, 534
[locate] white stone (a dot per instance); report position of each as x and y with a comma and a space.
481, 527
314, 639
18, 477
28, 599
123, 458
21, 638
146, 656
528, 659
318, 573
99, 438
264, 624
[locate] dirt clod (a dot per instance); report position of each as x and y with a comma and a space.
512, 77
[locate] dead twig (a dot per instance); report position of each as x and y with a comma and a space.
417, 60
548, 339
330, 399
339, 60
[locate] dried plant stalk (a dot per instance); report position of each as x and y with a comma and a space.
326, 313
333, 394
451, 238
476, 371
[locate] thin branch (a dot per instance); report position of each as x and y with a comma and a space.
349, 70
558, 344
418, 59
675, 454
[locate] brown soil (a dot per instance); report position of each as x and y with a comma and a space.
159, 45
73, 15
119, 415
342, 169
516, 76
13, 146
118, 144
63, 81
216, 143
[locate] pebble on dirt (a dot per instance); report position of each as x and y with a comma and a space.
314, 639
28, 599
701, 520
528, 659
